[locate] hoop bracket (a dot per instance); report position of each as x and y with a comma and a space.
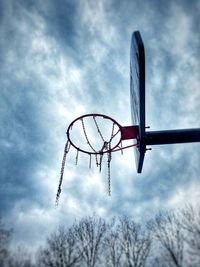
129, 132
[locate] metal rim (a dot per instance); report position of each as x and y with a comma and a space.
94, 115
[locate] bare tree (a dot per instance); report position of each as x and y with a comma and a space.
90, 232
190, 221
61, 250
166, 228
5, 236
113, 245
19, 258
135, 242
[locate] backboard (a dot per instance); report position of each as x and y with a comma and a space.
137, 94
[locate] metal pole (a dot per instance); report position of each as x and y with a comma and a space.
172, 136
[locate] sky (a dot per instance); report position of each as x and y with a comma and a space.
62, 59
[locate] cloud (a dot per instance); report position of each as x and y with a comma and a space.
61, 60
175, 69
185, 195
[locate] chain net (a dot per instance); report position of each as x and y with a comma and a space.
97, 154
66, 150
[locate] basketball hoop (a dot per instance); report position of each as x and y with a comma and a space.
87, 136
97, 134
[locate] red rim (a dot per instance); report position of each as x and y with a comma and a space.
94, 115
